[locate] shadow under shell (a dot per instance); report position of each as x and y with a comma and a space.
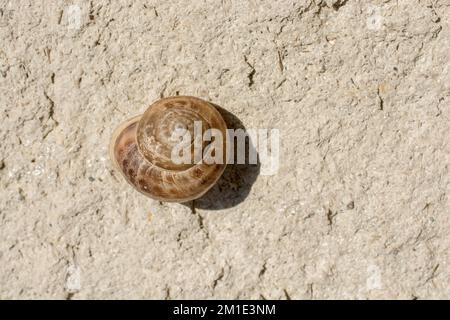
236, 182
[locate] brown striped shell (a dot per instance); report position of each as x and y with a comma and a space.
141, 149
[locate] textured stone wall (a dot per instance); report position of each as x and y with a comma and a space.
360, 91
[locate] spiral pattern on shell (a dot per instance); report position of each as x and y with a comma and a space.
141, 149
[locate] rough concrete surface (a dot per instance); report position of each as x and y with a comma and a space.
360, 91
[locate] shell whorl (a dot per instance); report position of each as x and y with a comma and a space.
141, 150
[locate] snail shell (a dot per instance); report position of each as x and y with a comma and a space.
141, 150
